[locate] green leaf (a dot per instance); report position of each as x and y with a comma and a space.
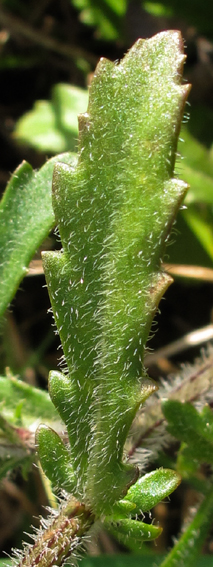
114, 213
26, 217
52, 126
148, 491
192, 427
151, 488
52, 448
132, 531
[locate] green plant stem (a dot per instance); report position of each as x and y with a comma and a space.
187, 549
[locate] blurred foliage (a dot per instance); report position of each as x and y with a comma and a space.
196, 168
52, 126
106, 16
191, 427
199, 15
127, 560
21, 404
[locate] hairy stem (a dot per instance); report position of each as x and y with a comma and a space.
60, 538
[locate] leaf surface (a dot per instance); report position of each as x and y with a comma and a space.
114, 212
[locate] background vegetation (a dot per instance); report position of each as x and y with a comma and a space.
46, 48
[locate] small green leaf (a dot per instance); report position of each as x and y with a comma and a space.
132, 531
148, 491
122, 509
152, 488
52, 450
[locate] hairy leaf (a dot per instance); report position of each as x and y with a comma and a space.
133, 531
152, 488
114, 212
